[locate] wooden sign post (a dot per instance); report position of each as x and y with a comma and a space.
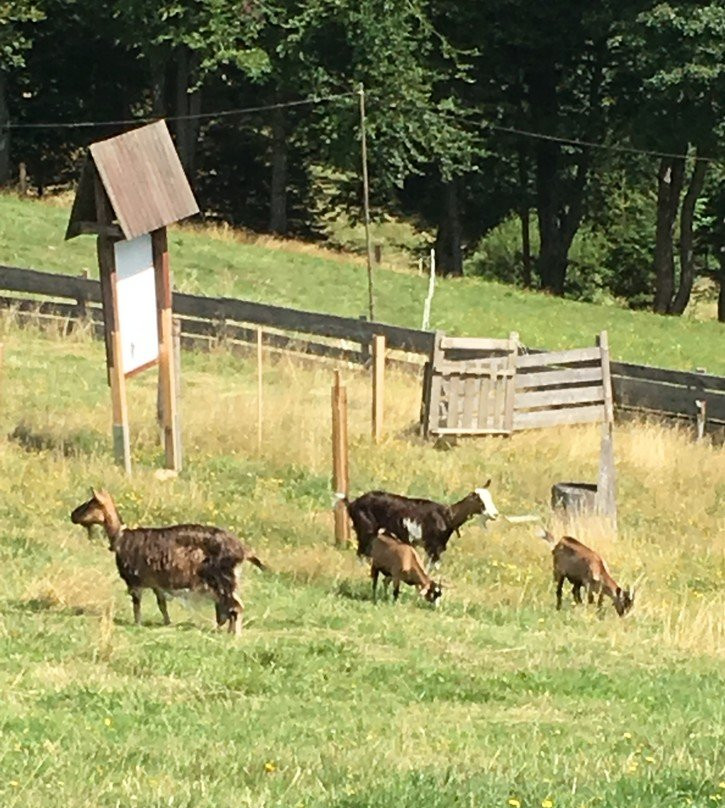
132, 186
340, 472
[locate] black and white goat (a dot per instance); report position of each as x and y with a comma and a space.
416, 521
167, 559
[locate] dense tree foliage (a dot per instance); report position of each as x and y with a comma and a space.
574, 148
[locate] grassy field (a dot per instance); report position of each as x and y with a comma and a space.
221, 262
495, 699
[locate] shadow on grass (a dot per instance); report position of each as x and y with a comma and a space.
74, 444
43, 605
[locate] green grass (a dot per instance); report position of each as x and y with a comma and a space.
326, 699
216, 263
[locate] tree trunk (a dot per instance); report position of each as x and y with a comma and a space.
525, 220
157, 68
188, 104
449, 254
4, 134
669, 187
552, 260
278, 183
687, 258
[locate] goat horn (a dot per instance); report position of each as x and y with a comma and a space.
638, 582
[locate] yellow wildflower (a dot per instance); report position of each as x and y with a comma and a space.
627, 735
107, 721
547, 803
14, 783
270, 766
514, 803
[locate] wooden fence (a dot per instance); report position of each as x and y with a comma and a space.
207, 320
563, 387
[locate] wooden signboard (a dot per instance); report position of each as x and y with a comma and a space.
132, 186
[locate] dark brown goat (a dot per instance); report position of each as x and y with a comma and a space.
399, 561
417, 521
179, 557
582, 567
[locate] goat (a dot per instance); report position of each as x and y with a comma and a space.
417, 521
166, 559
400, 562
582, 567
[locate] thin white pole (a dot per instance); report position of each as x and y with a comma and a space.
431, 289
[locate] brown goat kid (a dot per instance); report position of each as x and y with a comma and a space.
166, 559
582, 567
400, 562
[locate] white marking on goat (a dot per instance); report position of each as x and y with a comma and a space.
415, 529
490, 511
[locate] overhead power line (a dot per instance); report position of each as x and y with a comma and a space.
594, 145
225, 113
319, 99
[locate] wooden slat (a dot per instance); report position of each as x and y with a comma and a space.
470, 400
455, 389
484, 406
546, 418
551, 398
434, 418
443, 430
700, 381
500, 404
474, 344
558, 358
551, 378
510, 397
666, 398
471, 367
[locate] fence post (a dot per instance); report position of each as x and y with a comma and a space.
378, 387
259, 390
339, 458
607, 482
701, 405
22, 180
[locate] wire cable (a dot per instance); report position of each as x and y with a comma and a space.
225, 113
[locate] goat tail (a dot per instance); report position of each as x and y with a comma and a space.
340, 496
254, 560
544, 534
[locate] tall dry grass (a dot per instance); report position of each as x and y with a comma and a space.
671, 489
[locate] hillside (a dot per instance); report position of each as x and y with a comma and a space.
214, 262
327, 700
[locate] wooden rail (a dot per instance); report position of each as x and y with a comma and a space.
207, 320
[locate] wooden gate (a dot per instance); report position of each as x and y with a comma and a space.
469, 386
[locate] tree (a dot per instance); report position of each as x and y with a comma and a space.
16, 17
673, 85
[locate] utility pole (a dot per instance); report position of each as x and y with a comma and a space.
366, 202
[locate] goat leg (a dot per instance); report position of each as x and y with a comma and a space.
576, 590
161, 601
374, 574
559, 590
136, 600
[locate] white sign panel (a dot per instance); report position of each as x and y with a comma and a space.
136, 297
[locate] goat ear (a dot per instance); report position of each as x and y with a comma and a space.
94, 493
487, 483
